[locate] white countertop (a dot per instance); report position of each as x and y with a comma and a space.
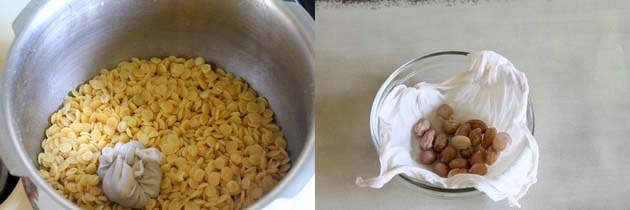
575, 54
8, 12
304, 200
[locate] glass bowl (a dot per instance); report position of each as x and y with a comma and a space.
432, 68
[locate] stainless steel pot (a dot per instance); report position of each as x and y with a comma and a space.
61, 44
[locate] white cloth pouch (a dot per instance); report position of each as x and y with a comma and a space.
492, 90
130, 174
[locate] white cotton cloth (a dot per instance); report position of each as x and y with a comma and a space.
130, 174
492, 90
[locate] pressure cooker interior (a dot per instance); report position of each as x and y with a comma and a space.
68, 46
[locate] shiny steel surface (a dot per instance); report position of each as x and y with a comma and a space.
61, 44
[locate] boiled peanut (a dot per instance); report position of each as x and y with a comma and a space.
449, 153
479, 169
458, 163
463, 130
479, 148
422, 126
500, 141
440, 142
460, 142
491, 156
488, 137
478, 157
475, 136
440, 169
427, 157
471, 149
477, 123
426, 142
456, 171
445, 111
449, 126
467, 153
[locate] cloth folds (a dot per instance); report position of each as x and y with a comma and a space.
492, 90
130, 174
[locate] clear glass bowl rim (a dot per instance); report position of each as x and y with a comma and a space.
380, 96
